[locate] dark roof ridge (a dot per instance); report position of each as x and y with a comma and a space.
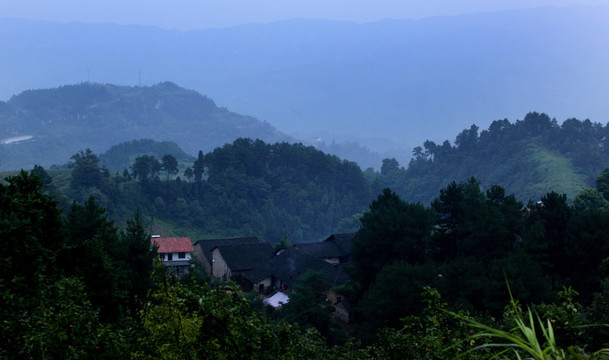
244, 257
245, 238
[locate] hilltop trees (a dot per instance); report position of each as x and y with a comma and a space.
169, 164
528, 157
86, 171
242, 189
145, 167
120, 157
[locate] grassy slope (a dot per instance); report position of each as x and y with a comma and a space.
554, 172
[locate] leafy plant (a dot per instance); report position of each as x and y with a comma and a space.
531, 338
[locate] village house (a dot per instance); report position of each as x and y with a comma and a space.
283, 270
335, 249
254, 266
174, 252
203, 249
236, 261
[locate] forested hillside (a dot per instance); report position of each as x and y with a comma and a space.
425, 282
252, 188
46, 127
528, 157
247, 188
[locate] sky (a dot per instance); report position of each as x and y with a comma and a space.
203, 14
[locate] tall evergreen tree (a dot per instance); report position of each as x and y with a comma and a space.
93, 245
138, 259
169, 164
199, 167
391, 230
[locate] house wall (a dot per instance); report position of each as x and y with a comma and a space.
281, 286
219, 266
203, 259
334, 297
268, 284
341, 312
175, 256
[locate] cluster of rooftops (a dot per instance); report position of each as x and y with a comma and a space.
255, 265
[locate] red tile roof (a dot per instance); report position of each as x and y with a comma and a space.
173, 245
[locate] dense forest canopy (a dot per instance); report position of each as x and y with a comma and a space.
247, 188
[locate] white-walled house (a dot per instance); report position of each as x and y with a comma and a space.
175, 253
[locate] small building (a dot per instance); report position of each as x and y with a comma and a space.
203, 249
175, 253
235, 262
254, 266
283, 271
336, 249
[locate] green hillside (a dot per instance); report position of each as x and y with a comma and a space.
247, 188
424, 281
47, 126
556, 173
529, 157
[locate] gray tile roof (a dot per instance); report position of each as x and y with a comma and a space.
247, 256
337, 245
208, 245
291, 263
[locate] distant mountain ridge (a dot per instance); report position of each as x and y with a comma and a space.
48, 126
405, 80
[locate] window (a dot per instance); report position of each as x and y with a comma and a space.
162, 256
182, 255
169, 257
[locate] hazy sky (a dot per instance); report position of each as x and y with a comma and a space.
202, 14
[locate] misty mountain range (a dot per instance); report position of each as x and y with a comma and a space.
47, 126
402, 80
